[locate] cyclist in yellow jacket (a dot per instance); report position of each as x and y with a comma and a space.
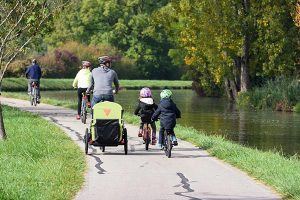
82, 81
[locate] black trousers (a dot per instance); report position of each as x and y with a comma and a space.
79, 94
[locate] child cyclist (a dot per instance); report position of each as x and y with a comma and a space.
145, 109
168, 112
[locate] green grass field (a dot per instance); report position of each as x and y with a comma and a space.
20, 84
280, 172
38, 161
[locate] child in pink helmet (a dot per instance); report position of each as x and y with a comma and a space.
145, 109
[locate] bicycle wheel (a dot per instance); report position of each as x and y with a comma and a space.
125, 141
34, 96
167, 144
147, 138
83, 112
86, 142
31, 99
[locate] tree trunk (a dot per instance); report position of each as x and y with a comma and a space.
237, 72
245, 80
231, 90
2, 130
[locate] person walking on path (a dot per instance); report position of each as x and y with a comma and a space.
102, 79
82, 82
34, 74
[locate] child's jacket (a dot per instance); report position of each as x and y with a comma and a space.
146, 107
168, 112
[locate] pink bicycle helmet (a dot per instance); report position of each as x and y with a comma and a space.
145, 92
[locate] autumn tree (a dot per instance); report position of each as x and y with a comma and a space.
21, 21
223, 39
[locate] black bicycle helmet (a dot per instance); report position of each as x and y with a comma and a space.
104, 59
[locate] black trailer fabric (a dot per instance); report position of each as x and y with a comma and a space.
107, 131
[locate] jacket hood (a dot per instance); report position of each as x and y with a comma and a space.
148, 100
166, 103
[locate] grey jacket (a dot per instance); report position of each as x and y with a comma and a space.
102, 79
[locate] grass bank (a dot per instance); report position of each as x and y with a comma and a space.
281, 94
280, 172
20, 84
38, 161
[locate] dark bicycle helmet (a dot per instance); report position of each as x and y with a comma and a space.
104, 59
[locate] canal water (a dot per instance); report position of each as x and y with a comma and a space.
264, 130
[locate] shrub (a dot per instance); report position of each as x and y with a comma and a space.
65, 61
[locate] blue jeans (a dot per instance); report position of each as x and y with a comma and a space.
102, 97
161, 135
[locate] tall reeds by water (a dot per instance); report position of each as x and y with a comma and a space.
280, 94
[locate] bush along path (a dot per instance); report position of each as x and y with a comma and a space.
190, 173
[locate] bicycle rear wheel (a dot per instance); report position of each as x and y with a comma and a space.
34, 96
83, 112
167, 144
147, 138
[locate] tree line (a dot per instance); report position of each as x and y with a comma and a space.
232, 43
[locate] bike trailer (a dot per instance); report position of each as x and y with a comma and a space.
107, 126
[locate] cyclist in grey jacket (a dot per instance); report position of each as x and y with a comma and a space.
102, 79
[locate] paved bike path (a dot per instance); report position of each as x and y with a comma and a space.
191, 173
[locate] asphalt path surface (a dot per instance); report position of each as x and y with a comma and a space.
190, 174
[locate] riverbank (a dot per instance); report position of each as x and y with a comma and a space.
272, 168
281, 94
38, 161
20, 84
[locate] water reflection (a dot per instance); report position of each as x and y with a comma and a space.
264, 130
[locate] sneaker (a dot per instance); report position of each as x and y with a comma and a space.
78, 117
140, 133
88, 104
160, 146
175, 143
38, 101
153, 140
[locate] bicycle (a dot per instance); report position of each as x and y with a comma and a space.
34, 93
167, 142
84, 105
147, 133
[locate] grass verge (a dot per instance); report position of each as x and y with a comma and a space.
271, 167
20, 84
38, 161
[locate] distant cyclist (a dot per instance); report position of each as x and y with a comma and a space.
34, 74
102, 79
82, 82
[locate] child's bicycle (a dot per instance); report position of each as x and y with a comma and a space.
147, 133
84, 105
167, 142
